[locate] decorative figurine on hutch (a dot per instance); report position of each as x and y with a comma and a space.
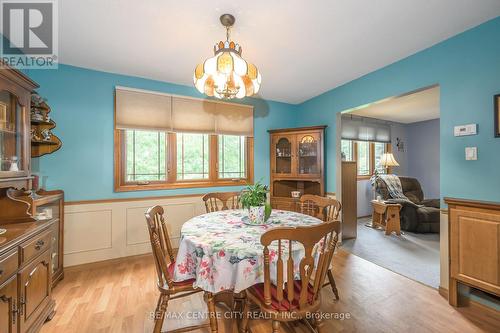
13, 164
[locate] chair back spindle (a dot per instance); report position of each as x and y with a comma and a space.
323, 208
322, 238
217, 201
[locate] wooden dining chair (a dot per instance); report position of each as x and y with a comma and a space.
221, 201
294, 299
170, 289
325, 209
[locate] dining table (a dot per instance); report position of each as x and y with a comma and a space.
222, 251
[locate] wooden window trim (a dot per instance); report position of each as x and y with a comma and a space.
388, 148
171, 181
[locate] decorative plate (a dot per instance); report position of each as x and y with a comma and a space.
246, 220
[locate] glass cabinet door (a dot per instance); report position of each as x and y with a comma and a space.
11, 136
283, 154
309, 154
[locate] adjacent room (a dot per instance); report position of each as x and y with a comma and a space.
249, 167
390, 157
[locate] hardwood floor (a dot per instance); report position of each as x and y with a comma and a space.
118, 296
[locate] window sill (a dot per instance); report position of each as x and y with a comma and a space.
180, 185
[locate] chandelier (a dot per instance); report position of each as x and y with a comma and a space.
227, 75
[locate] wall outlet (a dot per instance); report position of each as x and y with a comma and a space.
463, 130
470, 153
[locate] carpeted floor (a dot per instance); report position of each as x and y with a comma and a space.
413, 255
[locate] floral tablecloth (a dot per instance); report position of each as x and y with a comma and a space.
222, 253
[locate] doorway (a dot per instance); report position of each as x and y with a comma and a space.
389, 157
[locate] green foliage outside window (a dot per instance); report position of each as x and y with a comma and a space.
146, 159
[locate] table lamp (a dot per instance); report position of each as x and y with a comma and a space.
387, 160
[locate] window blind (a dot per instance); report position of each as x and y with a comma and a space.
137, 109
142, 110
365, 129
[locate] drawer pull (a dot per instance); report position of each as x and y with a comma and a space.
39, 244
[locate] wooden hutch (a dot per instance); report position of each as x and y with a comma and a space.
29, 244
297, 164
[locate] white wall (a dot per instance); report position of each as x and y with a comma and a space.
106, 230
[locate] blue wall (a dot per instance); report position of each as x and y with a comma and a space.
423, 155
83, 108
467, 68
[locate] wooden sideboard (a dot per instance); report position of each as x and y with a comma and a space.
474, 246
53, 201
25, 269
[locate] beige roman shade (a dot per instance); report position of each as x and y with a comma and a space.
137, 109
193, 115
143, 110
233, 119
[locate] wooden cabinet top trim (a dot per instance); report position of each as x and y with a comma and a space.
297, 129
16, 76
19, 232
472, 203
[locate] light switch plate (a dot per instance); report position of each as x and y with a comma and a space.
463, 130
471, 153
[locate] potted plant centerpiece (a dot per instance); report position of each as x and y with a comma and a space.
254, 198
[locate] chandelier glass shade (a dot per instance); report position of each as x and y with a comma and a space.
227, 75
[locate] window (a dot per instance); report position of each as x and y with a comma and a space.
146, 160
159, 160
347, 149
363, 158
367, 154
379, 149
192, 156
232, 153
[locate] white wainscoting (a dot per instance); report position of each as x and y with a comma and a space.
106, 230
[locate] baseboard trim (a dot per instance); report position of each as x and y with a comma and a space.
443, 292
467, 302
107, 262
102, 263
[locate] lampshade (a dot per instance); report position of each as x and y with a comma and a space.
388, 160
227, 75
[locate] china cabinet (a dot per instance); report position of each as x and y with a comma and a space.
15, 99
297, 164
26, 241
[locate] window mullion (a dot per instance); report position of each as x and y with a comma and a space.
372, 157
213, 155
172, 157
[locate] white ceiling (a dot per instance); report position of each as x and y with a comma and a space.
411, 108
302, 48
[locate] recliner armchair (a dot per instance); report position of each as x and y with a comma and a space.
418, 214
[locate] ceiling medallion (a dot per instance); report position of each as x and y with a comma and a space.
227, 75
